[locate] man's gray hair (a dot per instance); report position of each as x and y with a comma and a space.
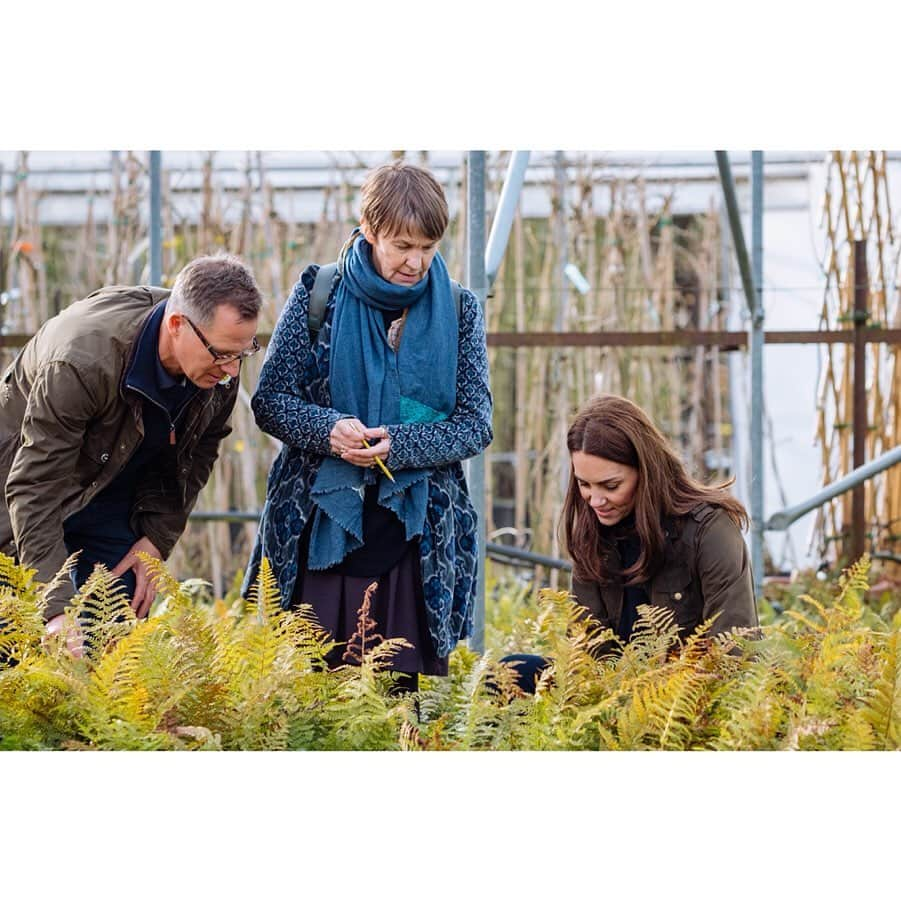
208, 282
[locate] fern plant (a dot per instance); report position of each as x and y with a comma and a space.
236, 674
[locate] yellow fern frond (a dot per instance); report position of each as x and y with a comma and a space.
164, 582
883, 708
60, 578
15, 576
21, 611
854, 581
103, 610
857, 734
264, 597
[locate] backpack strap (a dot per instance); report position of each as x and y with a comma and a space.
322, 286
457, 291
319, 298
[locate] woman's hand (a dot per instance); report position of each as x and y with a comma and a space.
346, 441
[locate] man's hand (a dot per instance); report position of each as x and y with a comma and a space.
145, 589
72, 634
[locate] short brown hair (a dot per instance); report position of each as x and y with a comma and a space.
207, 282
398, 197
616, 429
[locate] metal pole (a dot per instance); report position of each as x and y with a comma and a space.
861, 303
780, 521
738, 235
755, 305
757, 470
506, 211
156, 227
737, 409
477, 282
517, 557
512, 556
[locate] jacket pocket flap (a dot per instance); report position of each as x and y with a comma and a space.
672, 579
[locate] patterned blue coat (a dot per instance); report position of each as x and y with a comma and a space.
292, 403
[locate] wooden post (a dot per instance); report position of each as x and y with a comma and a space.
858, 518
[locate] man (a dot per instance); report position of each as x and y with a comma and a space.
110, 421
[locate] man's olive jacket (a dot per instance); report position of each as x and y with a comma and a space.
68, 427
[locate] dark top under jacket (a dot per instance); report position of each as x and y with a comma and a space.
628, 545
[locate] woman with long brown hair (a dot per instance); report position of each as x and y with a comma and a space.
640, 530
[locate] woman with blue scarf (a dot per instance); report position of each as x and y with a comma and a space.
396, 376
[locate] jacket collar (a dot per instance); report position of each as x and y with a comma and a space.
612, 593
144, 371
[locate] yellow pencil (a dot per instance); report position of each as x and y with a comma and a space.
378, 460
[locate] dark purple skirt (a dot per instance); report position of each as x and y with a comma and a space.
397, 606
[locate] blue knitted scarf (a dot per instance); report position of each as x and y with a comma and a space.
368, 380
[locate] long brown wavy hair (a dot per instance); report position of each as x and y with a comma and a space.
616, 429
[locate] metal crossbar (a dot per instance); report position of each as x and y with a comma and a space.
502, 553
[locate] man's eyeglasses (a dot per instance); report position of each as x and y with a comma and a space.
224, 357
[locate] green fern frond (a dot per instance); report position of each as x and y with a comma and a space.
362, 714
750, 709
478, 713
882, 710
38, 706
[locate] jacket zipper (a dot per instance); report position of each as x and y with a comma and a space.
172, 435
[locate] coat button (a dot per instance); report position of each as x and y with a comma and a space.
677, 596
104, 458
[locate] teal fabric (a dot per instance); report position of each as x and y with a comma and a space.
370, 381
413, 411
